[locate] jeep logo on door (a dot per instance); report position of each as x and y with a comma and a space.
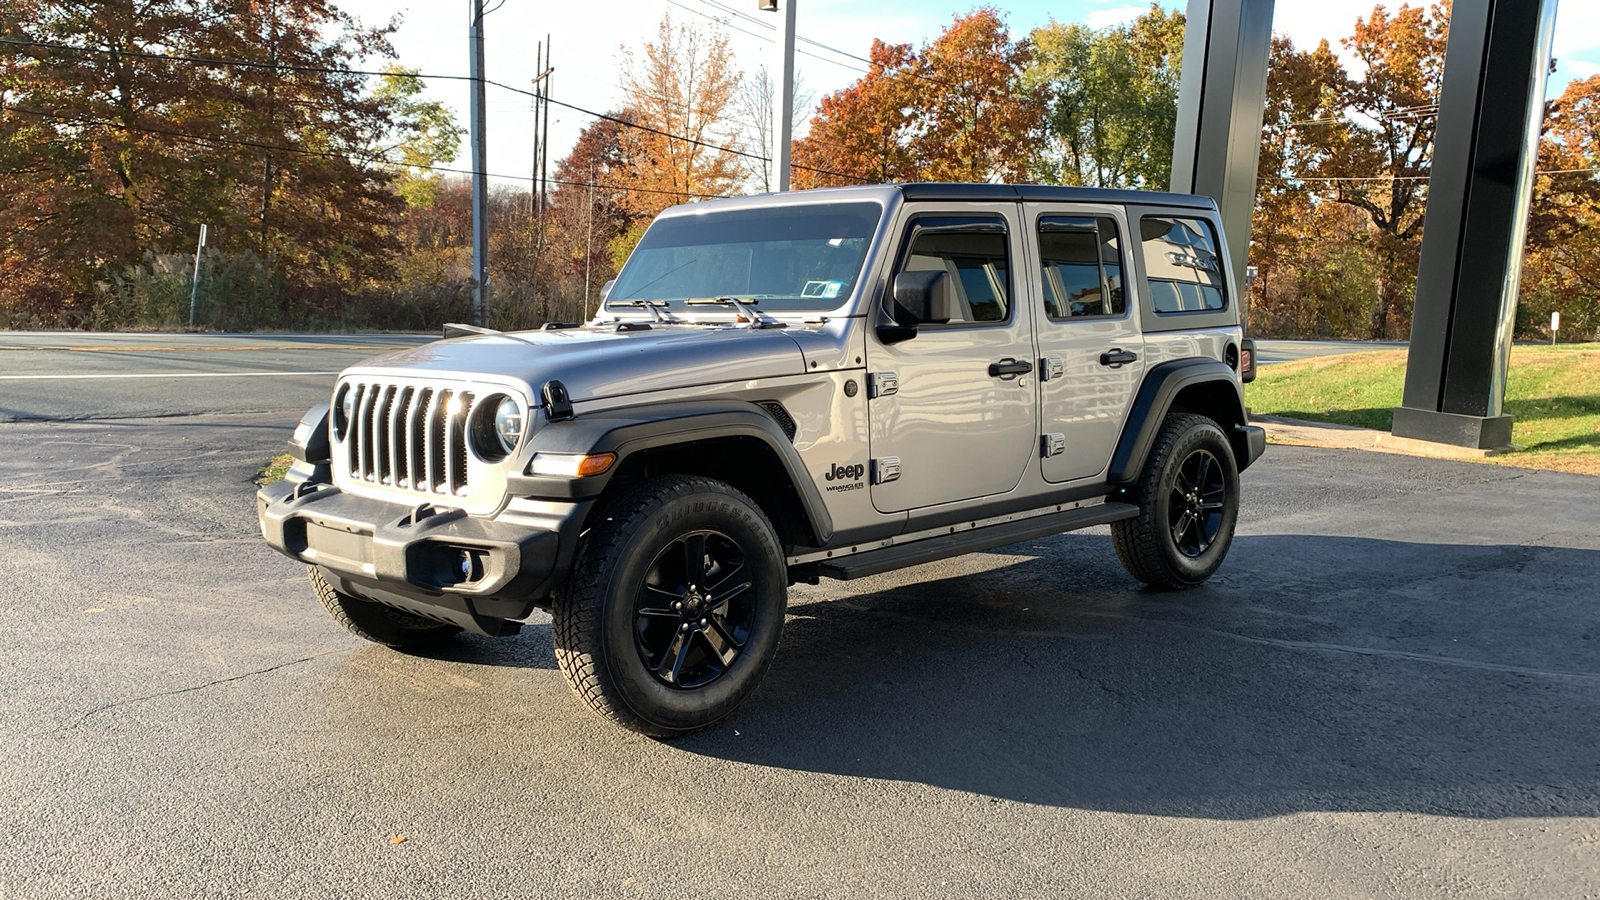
849, 474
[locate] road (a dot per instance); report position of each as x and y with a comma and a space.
1287, 351
68, 375
1391, 688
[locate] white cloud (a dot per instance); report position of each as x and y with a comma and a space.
1102, 18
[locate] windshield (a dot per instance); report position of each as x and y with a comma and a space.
783, 258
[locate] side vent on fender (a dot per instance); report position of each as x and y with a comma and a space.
776, 410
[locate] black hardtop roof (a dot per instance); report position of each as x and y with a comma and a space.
1047, 193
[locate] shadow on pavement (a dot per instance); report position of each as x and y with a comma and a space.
1314, 673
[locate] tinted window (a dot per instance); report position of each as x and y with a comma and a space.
975, 258
1081, 267
1180, 261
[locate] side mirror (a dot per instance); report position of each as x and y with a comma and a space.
605, 290
921, 298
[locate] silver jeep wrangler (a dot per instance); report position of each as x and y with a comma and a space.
833, 383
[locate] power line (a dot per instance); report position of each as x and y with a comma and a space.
197, 60
327, 154
803, 39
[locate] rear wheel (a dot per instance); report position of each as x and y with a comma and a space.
1188, 497
675, 606
378, 623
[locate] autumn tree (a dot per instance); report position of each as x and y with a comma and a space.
1381, 151
1113, 100
591, 206
1294, 221
111, 150
868, 131
424, 134
1563, 243
953, 111
680, 88
754, 104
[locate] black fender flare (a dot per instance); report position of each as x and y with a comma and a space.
1161, 386
637, 429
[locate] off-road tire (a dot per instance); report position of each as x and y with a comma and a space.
1146, 543
599, 627
378, 623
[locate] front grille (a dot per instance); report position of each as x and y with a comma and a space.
408, 437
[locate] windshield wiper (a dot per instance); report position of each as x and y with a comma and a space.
758, 319
653, 307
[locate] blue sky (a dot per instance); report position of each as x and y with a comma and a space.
587, 35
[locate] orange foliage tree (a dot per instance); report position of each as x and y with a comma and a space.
109, 152
1559, 273
952, 112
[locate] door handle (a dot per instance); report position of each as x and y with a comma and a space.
1117, 357
1010, 367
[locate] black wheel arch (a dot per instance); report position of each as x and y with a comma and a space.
735, 442
1202, 386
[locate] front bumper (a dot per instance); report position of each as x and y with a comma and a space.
441, 563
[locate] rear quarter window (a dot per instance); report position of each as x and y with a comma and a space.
1182, 268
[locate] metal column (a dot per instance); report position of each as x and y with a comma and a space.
1221, 99
480, 166
1490, 111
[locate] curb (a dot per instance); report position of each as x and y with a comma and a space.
1349, 437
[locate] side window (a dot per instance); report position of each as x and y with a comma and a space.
974, 254
1181, 264
1081, 265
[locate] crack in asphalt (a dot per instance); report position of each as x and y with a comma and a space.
84, 717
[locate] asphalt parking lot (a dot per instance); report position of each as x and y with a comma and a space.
1390, 689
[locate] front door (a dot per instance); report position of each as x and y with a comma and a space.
1091, 353
953, 409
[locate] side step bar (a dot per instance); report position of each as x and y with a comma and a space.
876, 562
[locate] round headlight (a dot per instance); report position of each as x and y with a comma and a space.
345, 411
508, 424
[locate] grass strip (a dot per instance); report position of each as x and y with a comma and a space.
1552, 392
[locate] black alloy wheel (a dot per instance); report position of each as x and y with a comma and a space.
1195, 508
675, 605
694, 610
1188, 500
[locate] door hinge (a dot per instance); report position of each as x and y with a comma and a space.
885, 469
1053, 444
882, 384
1051, 368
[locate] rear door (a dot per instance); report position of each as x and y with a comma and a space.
944, 427
1091, 352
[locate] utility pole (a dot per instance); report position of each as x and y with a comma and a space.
588, 252
783, 99
194, 284
544, 141
538, 140
480, 166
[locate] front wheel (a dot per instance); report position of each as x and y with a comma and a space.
675, 606
1188, 498
378, 623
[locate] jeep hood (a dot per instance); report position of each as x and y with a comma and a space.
601, 362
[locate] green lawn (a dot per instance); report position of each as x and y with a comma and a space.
275, 469
1554, 393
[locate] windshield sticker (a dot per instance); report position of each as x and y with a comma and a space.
827, 290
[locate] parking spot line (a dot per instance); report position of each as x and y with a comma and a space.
212, 349
157, 375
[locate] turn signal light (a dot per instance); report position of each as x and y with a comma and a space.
571, 465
